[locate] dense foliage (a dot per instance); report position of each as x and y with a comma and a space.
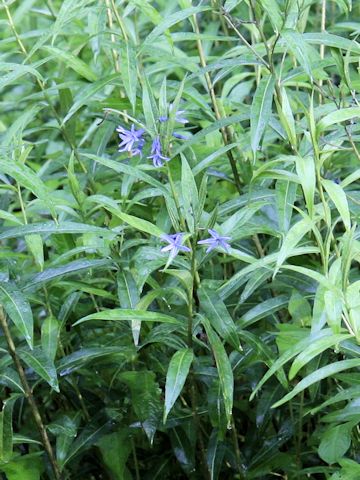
179, 271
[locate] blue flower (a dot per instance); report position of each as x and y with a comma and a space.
175, 244
179, 136
156, 154
215, 241
132, 140
178, 116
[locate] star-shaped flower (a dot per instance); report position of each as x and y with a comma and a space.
178, 116
175, 244
132, 140
216, 240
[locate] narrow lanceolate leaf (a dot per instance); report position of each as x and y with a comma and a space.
314, 349
18, 310
171, 20
129, 297
189, 194
292, 238
119, 314
338, 196
336, 117
318, 375
304, 53
215, 454
71, 268
28, 179
72, 61
52, 227
223, 367
218, 315
305, 169
272, 9
128, 71
49, 336
41, 364
86, 94
6, 430
151, 112
176, 376
261, 110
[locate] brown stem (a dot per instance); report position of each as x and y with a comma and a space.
29, 395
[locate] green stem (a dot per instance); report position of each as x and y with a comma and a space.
193, 390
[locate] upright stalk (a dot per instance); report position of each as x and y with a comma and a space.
225, 131
28, 393
193, 390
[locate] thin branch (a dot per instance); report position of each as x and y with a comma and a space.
29, 395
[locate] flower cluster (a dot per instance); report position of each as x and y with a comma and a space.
175, 243
132, 140
156, 153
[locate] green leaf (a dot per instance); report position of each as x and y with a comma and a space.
24, 467
223, 367
272, 9
41, 364
189, 194
338, 196
49, 336
35, 245
119, 314
305, 169
177, 373
215, 455
317, 376
169, 22
314, 349
18, 309
305, 54
115, 449
129, 71
334, 118
218, 315
29, 180
129, 297
72, 61
80, 358
71, 268
90, 435
87, 94
334, 41
150, 109
335, 442
289, 354
261, 110
145, 399
52, 227
333, 308
6, 430
119, 167
292, 238
17, 71
285, 199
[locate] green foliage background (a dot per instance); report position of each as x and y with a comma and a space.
115, 364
